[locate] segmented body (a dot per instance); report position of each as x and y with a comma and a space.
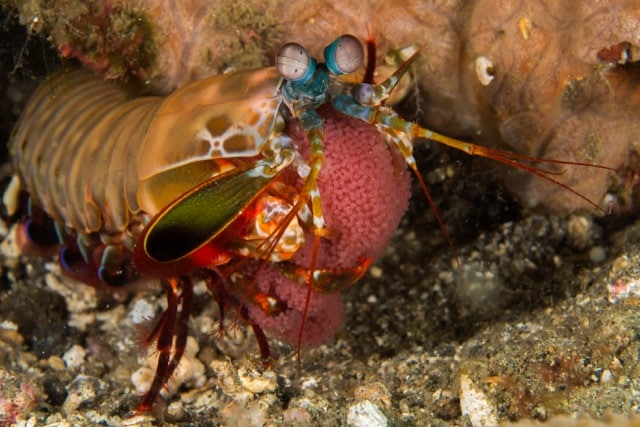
67, 174
84, 133
207, 176
101, 164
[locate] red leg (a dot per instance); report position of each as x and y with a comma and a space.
164, 345
153, 335
263, 342
182, 326
216, 287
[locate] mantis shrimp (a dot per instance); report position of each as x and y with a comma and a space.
206, 180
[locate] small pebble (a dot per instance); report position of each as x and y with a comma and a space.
255, 382
56, 363
175, 411
475, 404
597, 254
74, 357
82, 392
141, 312
366, 414
375, 272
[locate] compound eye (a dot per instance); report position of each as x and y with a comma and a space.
344, 55
294, 63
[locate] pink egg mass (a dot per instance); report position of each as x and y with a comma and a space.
365, 187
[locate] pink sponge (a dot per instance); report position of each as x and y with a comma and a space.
365, 187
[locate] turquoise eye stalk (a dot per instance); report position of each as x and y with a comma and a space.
344, 55
294, 63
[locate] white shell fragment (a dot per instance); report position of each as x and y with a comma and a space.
475, 404
74, 357
366, 414
484, 70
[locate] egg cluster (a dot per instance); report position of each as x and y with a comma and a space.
365, 187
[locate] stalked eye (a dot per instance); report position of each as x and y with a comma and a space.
344, 55
294, 63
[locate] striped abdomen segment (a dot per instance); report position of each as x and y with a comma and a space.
76, 148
